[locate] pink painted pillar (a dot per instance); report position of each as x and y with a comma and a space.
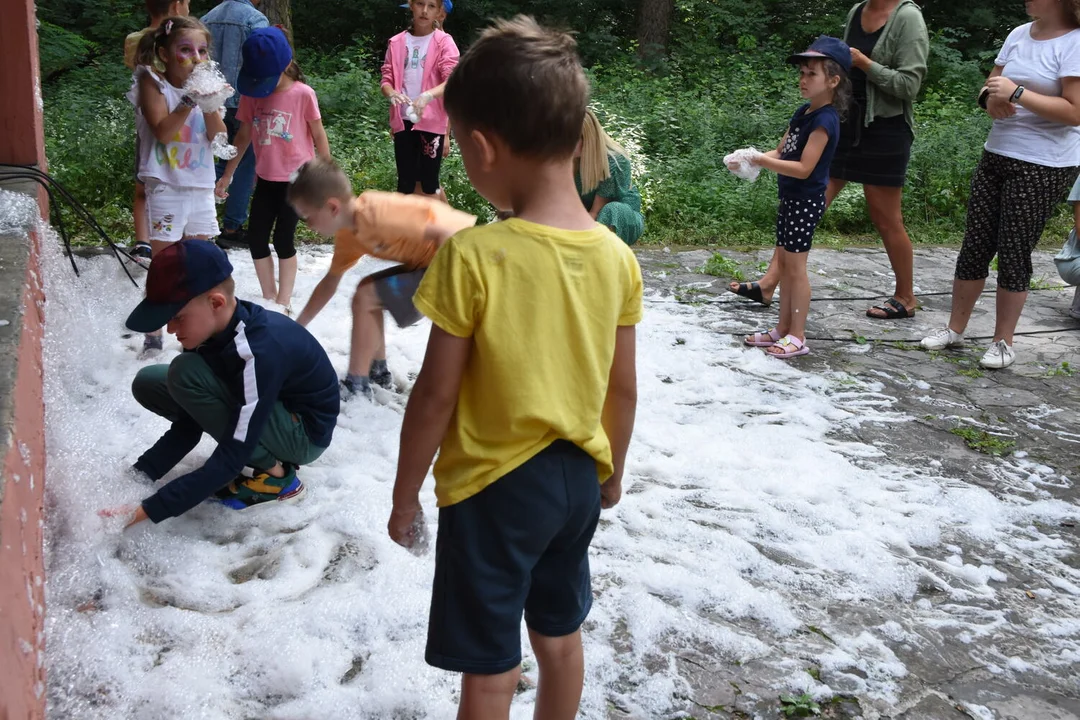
22, 412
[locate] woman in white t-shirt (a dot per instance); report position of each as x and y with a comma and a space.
1031, 159
418, 63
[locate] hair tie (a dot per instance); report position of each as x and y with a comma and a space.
168, 26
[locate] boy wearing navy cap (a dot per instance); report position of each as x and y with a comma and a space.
255, 381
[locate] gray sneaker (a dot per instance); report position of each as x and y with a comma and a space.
942, 338
998, 356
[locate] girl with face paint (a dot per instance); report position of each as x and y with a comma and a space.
175, 158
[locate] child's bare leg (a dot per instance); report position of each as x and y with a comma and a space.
797, 288
380, 318
367, 334
783, 325
264, 269
286, 280
142, 220
156, 246
488, 697
562, 674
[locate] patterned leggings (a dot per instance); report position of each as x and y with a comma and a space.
1011, 200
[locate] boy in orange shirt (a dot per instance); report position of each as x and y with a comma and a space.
158, 11
404, 228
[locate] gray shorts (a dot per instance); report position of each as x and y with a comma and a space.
395, 287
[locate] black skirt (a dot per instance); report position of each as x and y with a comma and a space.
874, 155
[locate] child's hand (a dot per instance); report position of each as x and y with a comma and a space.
420, 103
222, 187
406, 527
134, 513
397, 98
732, 165
611, 493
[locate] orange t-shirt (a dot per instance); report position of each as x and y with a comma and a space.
404, 228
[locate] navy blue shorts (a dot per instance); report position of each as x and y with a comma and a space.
520, 545
796, 220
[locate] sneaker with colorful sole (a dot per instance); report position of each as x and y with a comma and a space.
261, 490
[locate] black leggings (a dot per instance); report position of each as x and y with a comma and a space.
270, 211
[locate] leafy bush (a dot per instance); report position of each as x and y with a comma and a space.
677, 123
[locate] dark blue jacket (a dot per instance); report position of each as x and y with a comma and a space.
262, 357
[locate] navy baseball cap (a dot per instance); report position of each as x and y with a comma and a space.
826, 47
179, 273
266, 54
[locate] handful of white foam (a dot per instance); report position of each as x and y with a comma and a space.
221, 147
207, 87
743, 160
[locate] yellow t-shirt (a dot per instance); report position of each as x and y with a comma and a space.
131, 47
391, 226
542, 306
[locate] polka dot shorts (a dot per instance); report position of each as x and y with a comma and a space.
796, 221
1010, 203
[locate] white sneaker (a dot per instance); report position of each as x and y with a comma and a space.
998, 356
942, 338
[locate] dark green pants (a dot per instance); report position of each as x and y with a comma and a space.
187, 387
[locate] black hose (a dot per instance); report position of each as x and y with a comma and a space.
27, 172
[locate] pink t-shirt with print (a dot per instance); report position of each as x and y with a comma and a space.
280, 133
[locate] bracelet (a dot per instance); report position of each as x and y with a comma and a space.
188, 102
1016, 95
984, 97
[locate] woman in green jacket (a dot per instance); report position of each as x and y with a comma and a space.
602, 175
889, 51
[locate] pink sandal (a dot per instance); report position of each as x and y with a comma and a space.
790, 346
763, 339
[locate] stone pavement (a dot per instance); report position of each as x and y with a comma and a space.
1027, 416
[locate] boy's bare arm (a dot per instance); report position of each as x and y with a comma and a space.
321, 295
427, 416
620, 408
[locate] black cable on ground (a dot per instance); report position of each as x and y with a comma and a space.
26, 172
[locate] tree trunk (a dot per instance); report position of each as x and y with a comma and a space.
277, 12
654, 26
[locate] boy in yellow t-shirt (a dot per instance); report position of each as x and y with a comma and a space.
528, 389
404, 228
158, 11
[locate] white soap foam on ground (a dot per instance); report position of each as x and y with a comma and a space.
744, 517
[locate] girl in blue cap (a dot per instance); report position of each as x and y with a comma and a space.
802, 161
414, 74
280, 114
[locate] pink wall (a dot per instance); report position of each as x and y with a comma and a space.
22, 575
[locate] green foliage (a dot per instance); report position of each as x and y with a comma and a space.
799, 706
982, 441
723, 85
60, 49
720, 266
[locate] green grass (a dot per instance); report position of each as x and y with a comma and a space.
1063, 370
983, 442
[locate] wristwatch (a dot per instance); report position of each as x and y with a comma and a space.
1016, 95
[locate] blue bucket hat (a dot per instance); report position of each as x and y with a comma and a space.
829, 48
266, 54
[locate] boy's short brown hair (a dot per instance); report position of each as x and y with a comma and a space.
524, 83
158, 8
317, 181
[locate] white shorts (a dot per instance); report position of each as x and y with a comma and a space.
177, 212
